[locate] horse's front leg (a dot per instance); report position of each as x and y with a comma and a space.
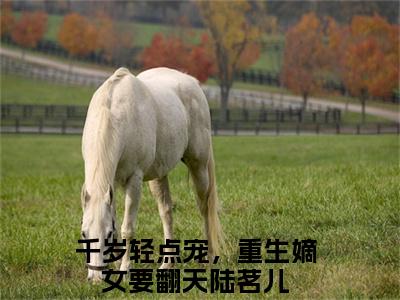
132, 200
160, 190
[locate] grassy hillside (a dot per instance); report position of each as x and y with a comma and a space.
21, 90
339, 190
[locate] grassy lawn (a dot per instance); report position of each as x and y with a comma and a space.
339, 190
269, 60
349, 117
21, 90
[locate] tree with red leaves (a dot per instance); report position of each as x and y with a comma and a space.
368, 56
304, 57
111, 41
172, 52
6, 19
29, 29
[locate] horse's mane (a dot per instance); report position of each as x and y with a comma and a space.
101, 138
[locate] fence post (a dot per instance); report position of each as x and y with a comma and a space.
277, 124
215, 128
337, 128
40, 125
245, 114
300, 115
257, 128
64, 126
4, 109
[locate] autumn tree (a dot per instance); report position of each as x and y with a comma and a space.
29, 29
6, 19
231, 31
367, 52
174, 53
77, 35
111, 41
304, 57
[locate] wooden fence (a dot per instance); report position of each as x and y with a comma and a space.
35, 71
238, 98
29, 113
69, 119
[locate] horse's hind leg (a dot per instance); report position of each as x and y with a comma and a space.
206, 200
160, 190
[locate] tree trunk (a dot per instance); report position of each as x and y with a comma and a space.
224, 103
363, 109
305, 99
363, 100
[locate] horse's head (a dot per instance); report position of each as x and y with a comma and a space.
98, 222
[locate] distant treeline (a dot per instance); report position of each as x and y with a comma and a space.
287, 12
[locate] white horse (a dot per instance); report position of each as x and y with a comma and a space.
138, 129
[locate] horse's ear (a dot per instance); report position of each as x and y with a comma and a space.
110, 195
84, 196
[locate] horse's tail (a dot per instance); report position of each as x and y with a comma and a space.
214, 226
103, 152
102, 133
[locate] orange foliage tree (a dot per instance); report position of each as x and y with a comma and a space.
172, 52
304, 57
368, 54
29, 29
78, 35
6, 19
111, 41
233, 27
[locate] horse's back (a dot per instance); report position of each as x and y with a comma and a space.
189, 93
186, 87
150, 122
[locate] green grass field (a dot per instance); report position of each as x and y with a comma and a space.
342, 191
21, 90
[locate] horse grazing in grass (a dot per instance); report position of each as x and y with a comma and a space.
138, 129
